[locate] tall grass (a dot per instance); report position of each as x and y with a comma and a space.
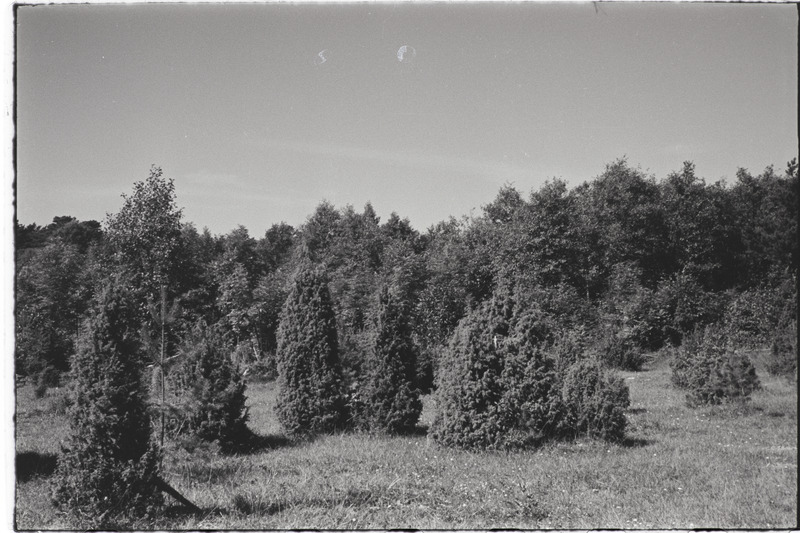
721, 467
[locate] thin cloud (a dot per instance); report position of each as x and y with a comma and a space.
683, 148
490, 169
209, 179
211, 188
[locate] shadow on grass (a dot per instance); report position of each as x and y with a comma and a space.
257, 504
637, 410
419, 431
34, 464
633, 442
251, 443
178, 512
250, 504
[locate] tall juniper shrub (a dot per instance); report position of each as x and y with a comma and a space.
470, 412
311, 398
391, 399
107, 471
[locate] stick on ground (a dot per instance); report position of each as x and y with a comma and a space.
165, 487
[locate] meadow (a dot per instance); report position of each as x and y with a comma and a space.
723, 467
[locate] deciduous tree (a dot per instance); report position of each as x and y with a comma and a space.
145, 237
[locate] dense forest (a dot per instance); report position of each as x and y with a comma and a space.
373, 313
621, 254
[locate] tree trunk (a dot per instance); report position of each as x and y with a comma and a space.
163, 386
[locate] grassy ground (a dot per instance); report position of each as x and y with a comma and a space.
680, 468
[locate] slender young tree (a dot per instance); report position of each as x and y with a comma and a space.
163, 316
145, 243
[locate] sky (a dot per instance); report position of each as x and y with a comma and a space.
260, 112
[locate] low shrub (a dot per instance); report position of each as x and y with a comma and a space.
256, 365
692, 306
552, 310
595, 402
628, 306
711, 371
262, 370
681, 362
500, 386
619, 351
215, 406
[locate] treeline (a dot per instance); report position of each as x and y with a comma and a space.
649, 261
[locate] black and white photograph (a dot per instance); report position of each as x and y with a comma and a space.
401, 265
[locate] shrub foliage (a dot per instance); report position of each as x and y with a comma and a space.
311, 398
109, 466
711, 371
500, 388
390, 397
215, 410
470, 407
595, 402
620, 351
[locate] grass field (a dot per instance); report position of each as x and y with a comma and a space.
680, 468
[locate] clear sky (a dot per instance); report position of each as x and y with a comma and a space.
259, 112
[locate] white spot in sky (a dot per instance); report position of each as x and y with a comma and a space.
320, 58
406, 54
